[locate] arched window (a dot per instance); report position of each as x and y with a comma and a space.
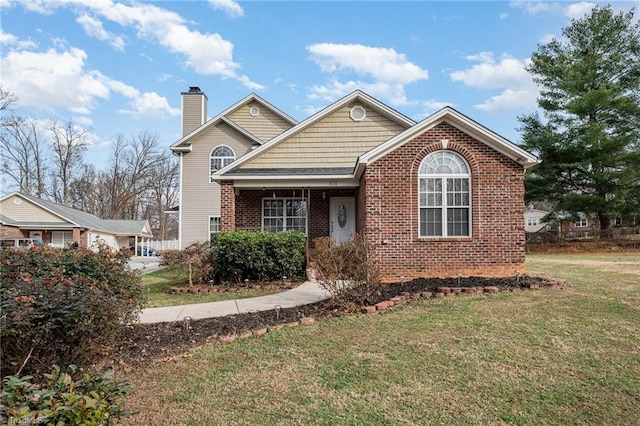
444, 195
221, 156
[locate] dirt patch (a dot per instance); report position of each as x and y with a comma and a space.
144, 344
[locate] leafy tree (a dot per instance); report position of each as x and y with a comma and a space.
590, 96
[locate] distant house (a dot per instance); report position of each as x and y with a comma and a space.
533, 220
440, 197
23, 215
583, 226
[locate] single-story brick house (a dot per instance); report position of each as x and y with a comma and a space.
23, 215
441, 197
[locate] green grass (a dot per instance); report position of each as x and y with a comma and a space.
157, 285
569, 356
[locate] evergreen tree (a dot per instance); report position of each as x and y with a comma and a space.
588, 138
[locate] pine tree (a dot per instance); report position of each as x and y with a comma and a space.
589, 138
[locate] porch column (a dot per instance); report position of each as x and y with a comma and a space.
227, 207
76, 237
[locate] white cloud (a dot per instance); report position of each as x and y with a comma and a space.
94, 28
39, 6
492, 74
509, 100
504, 16
83, 121
382, 64
547, 38
230, 7
531, 7
55, 79
206, 53
11, 40
381, 72
507, 74
578, 10
570, 10
534, 8
151, 104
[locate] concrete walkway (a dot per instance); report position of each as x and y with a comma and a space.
305, 294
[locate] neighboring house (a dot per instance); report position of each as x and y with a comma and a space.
22, 215
533, 220
441, 197
581, 227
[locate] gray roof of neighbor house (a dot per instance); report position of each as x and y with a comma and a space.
7, 220
82, 219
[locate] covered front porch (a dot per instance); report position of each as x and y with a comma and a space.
318, 211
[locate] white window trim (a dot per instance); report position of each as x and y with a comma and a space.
285, 199
209, 226
357, 113
211, 172
579, 223
444, 176
532, 221
64, 239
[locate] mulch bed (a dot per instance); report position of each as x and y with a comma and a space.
144, 344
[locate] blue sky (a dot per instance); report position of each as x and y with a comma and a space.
117, 67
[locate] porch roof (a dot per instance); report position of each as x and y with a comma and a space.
319, 171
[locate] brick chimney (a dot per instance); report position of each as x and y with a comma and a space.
194, 109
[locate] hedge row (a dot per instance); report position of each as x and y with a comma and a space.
63, 306
259, 256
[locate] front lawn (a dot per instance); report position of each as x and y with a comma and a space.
548, 356
158, 284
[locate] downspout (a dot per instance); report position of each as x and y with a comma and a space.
308, 221
180, 207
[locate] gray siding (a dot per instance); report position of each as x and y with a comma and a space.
265, 126
201, 198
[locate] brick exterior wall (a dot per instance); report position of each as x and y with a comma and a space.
11, 232
227, 207
496, 247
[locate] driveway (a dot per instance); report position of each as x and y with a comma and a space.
144, 264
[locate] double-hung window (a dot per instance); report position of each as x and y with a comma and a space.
444, 196
214, 226
284, 214
221, 156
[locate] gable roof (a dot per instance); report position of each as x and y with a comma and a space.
357, 95
462, 123
184, 143
78, 218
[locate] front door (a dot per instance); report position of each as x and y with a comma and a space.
342, 222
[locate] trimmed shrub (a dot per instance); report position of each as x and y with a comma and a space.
348, 271
63, 306
259, 256
67, 398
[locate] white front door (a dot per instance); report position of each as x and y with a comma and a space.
342, 220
